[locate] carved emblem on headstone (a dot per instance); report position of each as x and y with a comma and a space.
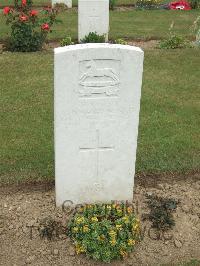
99, 78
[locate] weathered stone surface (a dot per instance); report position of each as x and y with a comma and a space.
97, 102
93, 16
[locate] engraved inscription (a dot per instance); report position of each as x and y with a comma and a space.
97, 148
93, 21
99, 78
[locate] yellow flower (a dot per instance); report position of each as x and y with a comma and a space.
113, 242
112, 233
75, 229
125, 219
123, 253
131, 242
119, 226
114, 205
108, 207
136, 226
101, 238
79, 220
79, 249
85, 228
94, 219
129, 210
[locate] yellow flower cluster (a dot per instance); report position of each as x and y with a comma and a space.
129, 210
112, 235
125, 219
136, 225
75, 229
131, 242
119, 227
79, 248
79, 220
123, 253
85, 228
101, 238
94, 219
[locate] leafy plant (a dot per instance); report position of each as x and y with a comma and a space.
29, 27
161, 212
112, 4
104, 231
196, 30
93, 37
148, 4
120, 41
194, 4
66, 41
173, 41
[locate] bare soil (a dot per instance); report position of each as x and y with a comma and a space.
23, 206
150, 44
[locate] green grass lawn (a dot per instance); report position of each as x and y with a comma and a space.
169, 119
130, 24
74, 2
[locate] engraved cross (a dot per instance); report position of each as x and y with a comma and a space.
97, 149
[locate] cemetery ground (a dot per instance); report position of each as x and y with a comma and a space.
167, 156
167, 146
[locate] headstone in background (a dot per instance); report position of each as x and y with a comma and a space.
68, 3
97, 103
93, 16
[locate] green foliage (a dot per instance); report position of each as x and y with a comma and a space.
173, 42
161, 212
104, 231
112, 4
93, 37
194, 4
148, 4
29, 28
66, 41
120, 41
192, 262
18, 4
196, 30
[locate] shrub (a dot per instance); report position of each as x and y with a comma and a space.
66, 41
173, 42
112, 4
29, 27
93, 37
194, 4
148, 4
104, 231
120, 41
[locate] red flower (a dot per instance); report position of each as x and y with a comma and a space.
45, 26
33, 13
23, 2
6, 10
23, 18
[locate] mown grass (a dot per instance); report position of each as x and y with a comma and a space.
193, 262
144, 24
74, 2
169, 119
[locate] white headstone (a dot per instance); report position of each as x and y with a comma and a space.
93, 16
97, 102
68, 3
